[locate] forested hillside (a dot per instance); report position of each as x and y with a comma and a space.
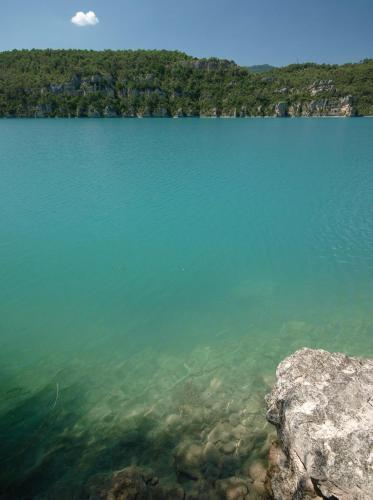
48, 83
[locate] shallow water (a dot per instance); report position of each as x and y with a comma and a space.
153, 274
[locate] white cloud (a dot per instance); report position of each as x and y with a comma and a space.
85, 19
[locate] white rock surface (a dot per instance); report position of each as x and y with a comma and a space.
322, 407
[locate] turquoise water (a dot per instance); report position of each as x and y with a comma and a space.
145, 262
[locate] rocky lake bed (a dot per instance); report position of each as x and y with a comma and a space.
193, 428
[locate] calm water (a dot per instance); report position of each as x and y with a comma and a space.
145, 262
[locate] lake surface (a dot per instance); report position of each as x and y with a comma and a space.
153, 274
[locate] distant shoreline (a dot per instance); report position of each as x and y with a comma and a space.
178, 117
168, 84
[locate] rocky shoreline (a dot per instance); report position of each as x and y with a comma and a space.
327, 107
322, 409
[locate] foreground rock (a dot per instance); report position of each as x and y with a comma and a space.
131, 483
137, 483
322, 407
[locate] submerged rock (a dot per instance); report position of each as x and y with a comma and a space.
188, 460
322, 407
131, 483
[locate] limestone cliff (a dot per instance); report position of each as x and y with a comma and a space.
75, 83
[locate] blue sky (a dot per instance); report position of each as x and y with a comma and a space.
249, 31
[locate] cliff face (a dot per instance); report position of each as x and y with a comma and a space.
170, 84
333, 106
322, 407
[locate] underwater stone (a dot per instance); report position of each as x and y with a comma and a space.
233, 488
215, 383
161, 491
322, 407
259, 490
221, 432
257, 471
131, 483
240, 432
234, 419
228, 447
188, 460
201, 490
127, 484
211, 453
173, 420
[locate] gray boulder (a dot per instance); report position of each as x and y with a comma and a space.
322, 407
